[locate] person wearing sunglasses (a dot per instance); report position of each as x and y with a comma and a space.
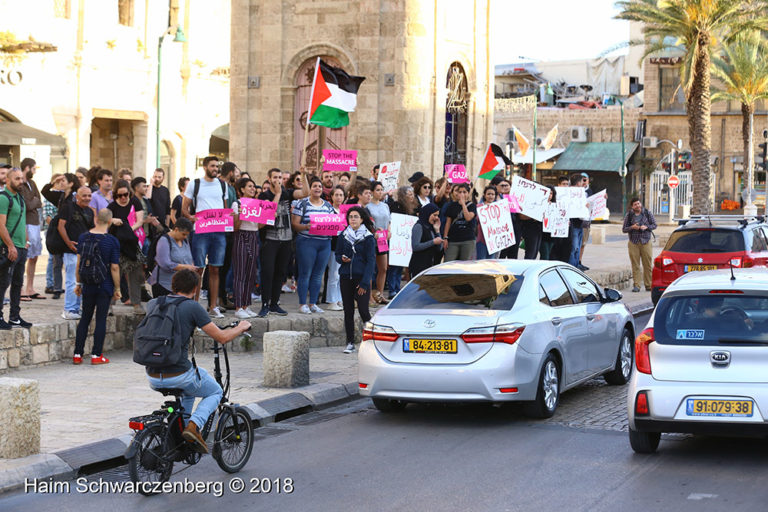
423, 190
127, 218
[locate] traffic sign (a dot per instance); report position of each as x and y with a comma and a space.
673, 181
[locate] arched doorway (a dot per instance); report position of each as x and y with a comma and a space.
456, 115
167, 163
318, 137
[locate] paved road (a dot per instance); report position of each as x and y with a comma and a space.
454, 458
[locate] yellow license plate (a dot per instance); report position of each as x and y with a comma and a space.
726, 408
694, 268
421, 346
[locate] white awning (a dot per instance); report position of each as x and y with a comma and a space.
541, 155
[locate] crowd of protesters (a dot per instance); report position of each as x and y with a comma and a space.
144, 237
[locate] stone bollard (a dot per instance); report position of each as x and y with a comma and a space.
20, 418
286, 359
597, 234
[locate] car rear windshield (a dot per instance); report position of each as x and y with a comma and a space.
706, 240
712, 319
459, 291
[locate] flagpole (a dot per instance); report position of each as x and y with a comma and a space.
303, 161
534, 142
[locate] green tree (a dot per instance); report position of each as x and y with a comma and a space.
743, 70
695, 29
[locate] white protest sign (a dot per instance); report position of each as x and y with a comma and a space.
496, 223
531, 196
388, 174
555, 221
400, 250
598, 205
574, 201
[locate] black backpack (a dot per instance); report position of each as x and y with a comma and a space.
196, 190
152, 252
92, 268
157, 342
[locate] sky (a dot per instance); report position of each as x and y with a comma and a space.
554, 29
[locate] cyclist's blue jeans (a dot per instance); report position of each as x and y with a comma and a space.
205, 387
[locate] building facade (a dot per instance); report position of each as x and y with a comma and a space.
427, 98
95, 86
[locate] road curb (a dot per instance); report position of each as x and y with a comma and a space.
69, 464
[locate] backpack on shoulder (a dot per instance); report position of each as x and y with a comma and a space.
152, 252
157, 341
92, 269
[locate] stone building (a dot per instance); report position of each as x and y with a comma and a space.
91, 97
664, 112
415, 55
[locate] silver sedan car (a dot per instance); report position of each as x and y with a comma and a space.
495, 331
702, 359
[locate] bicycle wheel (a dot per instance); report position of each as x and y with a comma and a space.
148, 463
233, 441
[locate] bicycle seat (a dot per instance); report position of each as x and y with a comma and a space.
170, 391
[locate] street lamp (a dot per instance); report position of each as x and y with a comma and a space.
177, 38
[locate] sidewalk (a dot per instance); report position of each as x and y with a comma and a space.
84, 408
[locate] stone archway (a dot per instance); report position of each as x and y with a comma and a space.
456, 114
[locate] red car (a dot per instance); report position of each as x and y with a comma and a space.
710, 243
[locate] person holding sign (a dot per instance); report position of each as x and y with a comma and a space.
460, 225
356, 253
489, 196
379, 211
245, 252
332, 289
312, 250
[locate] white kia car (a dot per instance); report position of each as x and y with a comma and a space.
495, 331
702, 360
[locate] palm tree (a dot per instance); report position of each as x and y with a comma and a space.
743, 70
695, 28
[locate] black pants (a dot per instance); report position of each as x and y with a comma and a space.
274, 264
348, 297
224, 269
159, 290
98, 301
531, 233
12, 273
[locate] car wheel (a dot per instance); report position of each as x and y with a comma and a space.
644, 442
548, 390
656, 295
622, 370
386, 405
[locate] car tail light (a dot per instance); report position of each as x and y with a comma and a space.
379, 333
663, 261
748, 263
508, 390
362, 385
642, 356
726, 291
641, 404
136, 425
508, 333
736, 262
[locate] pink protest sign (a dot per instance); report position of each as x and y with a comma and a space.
381, 240
456, 173
256, 210
514, 205
344, 208
214, 221
326, 224
340, 160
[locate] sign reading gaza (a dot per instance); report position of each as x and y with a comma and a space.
340, 160
256, 210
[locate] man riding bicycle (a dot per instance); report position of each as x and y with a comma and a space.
195, 382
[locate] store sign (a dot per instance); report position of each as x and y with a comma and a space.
10, 77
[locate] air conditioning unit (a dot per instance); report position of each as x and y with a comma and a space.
579, 134
650, 142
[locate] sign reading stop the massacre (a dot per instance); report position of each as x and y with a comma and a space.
673, 181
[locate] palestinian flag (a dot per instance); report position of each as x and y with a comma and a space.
495, 160
334, 95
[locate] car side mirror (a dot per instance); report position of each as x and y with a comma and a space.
612, 295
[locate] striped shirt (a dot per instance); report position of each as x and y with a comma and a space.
304, 208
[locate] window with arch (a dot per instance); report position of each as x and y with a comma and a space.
318, 137
456, 115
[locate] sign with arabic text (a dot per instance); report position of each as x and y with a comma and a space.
257, 210
214, 221
400, 250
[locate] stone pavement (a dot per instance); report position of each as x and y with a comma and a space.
85, 409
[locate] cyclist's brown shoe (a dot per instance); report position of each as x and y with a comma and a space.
192, 435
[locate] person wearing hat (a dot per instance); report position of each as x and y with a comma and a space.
585, 224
